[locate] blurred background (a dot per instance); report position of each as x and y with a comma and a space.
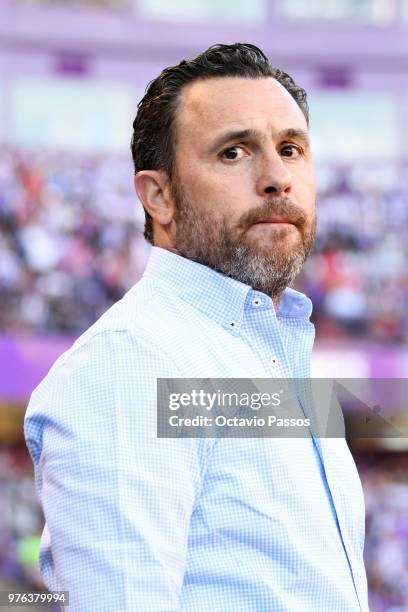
71, 228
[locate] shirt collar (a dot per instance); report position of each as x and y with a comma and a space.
221, 298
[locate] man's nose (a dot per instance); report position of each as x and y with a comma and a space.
273, 176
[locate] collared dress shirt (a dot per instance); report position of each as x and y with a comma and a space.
136, 523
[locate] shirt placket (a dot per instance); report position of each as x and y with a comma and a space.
340, 505
275, 338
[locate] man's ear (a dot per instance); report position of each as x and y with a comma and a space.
153, 190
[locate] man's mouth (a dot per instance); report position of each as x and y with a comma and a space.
275, 221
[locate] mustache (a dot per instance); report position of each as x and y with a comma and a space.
282, 208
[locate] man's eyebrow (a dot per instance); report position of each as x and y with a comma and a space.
233, 135
295, 133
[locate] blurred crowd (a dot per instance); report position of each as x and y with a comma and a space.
357, 276
386, 551
21, 519
70, 239
71, 243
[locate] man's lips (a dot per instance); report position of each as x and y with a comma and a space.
273, 220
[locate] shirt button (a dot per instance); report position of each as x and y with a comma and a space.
256, 302
274, 361
232, 324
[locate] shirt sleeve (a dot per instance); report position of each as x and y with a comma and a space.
117, 500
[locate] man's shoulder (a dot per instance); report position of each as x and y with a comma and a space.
134, 318
121, 340
143, 312
108, 374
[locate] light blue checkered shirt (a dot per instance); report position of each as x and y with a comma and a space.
140, 524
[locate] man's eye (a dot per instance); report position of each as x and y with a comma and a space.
232, 153
290, 151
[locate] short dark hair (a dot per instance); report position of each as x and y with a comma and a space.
153, 127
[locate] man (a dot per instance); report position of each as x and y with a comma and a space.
224, 169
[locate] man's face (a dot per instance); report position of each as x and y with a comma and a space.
245, 184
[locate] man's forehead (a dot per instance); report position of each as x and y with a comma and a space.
228, 102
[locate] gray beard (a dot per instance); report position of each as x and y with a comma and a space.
269, 274
212, 244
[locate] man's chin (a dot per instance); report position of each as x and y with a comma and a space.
284, 240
